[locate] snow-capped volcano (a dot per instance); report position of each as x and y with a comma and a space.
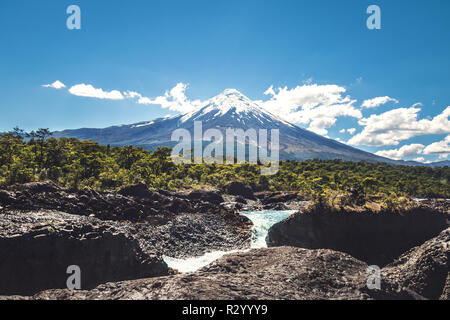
232, 104
230, 100
229, 109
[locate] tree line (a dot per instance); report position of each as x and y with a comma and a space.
36, 156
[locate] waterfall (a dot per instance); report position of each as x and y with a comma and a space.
262, 222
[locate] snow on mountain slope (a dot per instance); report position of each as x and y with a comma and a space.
230, 109
232, 103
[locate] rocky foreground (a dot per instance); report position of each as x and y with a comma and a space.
179, 224
118, 240
276, 273
37, 247
111, 236
423, 269
290, 274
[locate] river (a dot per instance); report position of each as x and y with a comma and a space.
262, 222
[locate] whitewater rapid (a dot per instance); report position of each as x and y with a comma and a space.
262, 222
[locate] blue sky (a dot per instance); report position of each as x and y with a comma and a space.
149, 47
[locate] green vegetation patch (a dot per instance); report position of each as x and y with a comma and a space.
35, 156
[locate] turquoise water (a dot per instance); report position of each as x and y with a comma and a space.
262, 221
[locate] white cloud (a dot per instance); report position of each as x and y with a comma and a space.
87, 90
419, 159
376, 102
351, 131
55, 85
440, 147
403, 152
417, 104
391, 127
318, 106
132, 94
174, 100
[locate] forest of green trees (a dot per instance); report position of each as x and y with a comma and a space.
36, 156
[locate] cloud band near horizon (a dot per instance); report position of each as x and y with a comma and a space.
318, 107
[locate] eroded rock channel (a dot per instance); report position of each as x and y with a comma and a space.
119, 240
111, 236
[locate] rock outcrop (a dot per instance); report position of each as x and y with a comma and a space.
239, 189
281, 200
112, 236
177, 224
36, 248
423, 269
118, 240
207, 196
190, 235
267, 200
134, 203
374, 237
272, 273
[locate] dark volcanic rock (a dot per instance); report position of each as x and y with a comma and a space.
207, 196
376, 238
36, 248
423, 269
268, 200
177, 224
239, 189
140, 191
446, 292
273, 273
195, 234
6, 198
276, 197
37, 187
438, 204
134, 203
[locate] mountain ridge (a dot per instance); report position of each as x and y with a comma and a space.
230, 109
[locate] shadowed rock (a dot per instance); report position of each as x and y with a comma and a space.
239, 189
36, 248
207, 196
272, 273
176, 224
139, 191
374, 237
423, 269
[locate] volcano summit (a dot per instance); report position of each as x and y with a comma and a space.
230, 109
